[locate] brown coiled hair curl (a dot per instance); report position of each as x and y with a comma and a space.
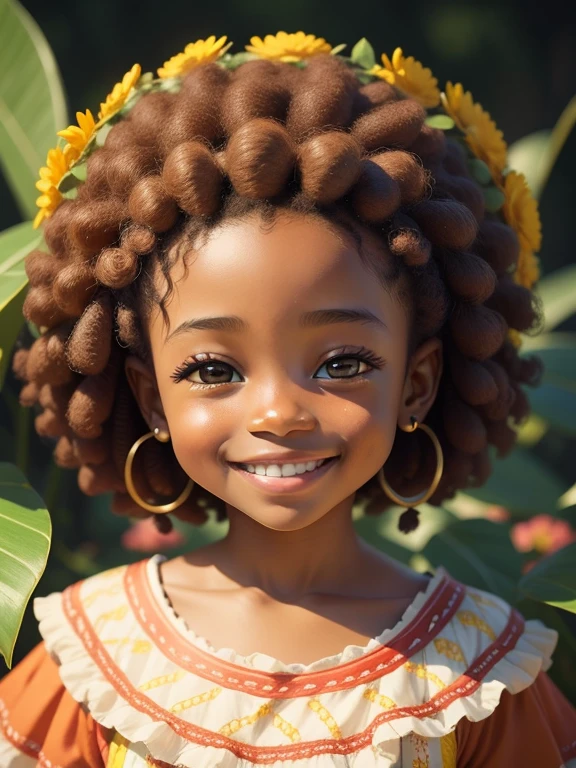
265, 136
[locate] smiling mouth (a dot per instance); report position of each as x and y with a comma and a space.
289, 482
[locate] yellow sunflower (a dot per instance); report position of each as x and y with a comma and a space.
288, 47
482, 135
119, 94
200, 52
58, 163
528, 269
521, 211
79, 135
409, 76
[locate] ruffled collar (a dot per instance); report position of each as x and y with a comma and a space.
437, 586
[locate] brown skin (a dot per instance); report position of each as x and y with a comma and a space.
289, 560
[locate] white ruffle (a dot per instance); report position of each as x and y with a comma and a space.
82, 677
515, 672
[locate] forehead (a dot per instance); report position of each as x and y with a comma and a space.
269, 273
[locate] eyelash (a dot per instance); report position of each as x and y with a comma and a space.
188, 367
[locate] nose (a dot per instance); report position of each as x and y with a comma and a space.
281, 412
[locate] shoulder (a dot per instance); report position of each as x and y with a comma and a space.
458, 650
98, 610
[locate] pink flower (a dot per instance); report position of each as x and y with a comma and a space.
143, 536
542, 533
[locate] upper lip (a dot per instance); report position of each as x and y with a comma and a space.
285, 458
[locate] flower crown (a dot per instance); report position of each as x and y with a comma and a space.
453, 110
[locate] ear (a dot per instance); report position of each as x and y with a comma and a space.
422, 381
142, 382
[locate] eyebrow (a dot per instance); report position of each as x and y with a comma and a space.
312, 319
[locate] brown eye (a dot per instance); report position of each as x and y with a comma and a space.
212, 373
345, 367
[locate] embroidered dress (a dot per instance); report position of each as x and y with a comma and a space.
121, 680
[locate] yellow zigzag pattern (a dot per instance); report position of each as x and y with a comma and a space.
420, 671
156, 682
325, 717
235, 725
377, 698
470, 619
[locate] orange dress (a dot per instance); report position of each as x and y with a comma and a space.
120, 681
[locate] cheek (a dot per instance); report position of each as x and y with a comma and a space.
197, 428
368, 430
369, 423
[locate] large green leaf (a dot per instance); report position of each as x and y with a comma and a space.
553, 580
521, 483
25, 533
32, 102
536, 155
563, 671
558, 294
479, 553
555, 401
529, 155
15, 244
557, 351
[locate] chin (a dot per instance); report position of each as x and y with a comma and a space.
279, 518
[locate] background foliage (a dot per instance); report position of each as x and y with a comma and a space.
518, 62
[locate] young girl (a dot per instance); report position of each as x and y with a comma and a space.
273, 288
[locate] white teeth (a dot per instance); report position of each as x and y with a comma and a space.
282, 470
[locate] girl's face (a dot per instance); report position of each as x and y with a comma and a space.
291, 370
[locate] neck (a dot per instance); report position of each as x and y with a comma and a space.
323, 557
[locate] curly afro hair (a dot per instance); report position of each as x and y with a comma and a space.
261, 137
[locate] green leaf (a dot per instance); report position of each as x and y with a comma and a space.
25, 534
15, 244
553, 580
363, 54
74, 178
32, 102
555, 401
338, 48
536, 155
494, 199
102, 133
563, 671
521, 483
443, 122
479, 553
557, 350
480, 171
234, 60
528, 155
558, 294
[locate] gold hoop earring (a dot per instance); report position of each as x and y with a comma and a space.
409, 519
163, 437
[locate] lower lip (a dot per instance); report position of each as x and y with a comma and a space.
286, 484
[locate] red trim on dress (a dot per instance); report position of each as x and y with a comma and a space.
437, 611
463, 686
